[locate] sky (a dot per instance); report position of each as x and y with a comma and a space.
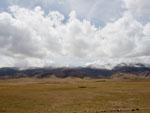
103, 33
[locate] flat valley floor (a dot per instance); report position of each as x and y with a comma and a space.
70, 95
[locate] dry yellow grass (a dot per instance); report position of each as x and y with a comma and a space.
73, 96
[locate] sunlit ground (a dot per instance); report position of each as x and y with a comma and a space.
74, 96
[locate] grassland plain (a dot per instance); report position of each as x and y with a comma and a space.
74, 96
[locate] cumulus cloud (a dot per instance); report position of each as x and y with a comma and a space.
97, 11
35, 38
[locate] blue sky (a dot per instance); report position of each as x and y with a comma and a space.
74, 32
97, 11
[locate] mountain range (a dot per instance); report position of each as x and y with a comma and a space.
81, 72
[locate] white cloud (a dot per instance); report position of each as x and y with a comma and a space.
97, 11
122, 36
139, 8
35, 38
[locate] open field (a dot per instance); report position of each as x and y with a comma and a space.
74, 96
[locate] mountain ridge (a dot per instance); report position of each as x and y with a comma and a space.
81, 72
